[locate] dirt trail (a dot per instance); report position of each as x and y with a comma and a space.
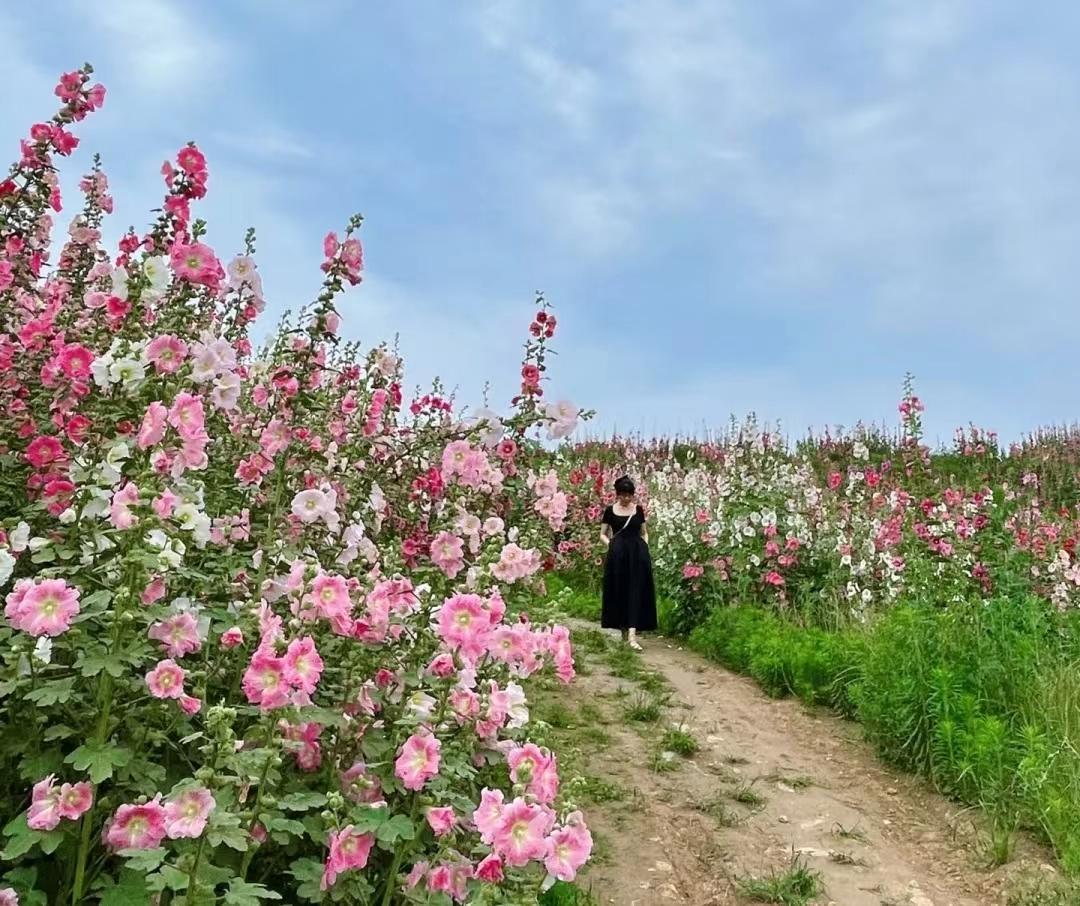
770, 780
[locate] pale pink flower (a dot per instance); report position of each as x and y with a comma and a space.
75, 800
441, 820
303, 666
8, 896
44, 812
521, 835
568, 848
463, 622
349, 850
42, 608
195, 262
166, 680
488, 814
179, 634
137, 826
329, 597
187, 814
419, 760
187, 416
448, 553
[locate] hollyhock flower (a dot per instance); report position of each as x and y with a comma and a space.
190, 705
264, 681
490, 869
44, 451
44, 607
8, 896
303, 666
166, 353
137, 826
232, 637
418, 760
179, 634
521, 834
153, 425
120, 514
447, 553
75, 360
329, 597
166, 680
442, 820
568, 848
488, 814
75, 800
349, 850
187, 814
44, 813
774, 578
187, 416
462, 620
312, 505
360, 785
196, 263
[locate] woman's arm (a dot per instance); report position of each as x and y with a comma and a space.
605, 534
645, 533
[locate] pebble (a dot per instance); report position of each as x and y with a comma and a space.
664, 866
783, 819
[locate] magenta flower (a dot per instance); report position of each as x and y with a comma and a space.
303, 666
264, 681
137, 826
349, 850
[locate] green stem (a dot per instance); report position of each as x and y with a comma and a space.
399, 854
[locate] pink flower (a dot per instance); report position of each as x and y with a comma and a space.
197, 263
264, 681
152, 429
187, 416
349, 850
166, 680
462, 622
536, 768
303, 666
44, 812
359, 785
44, 451
75, 360
167, 353
186, 815
190, 705
120, 514
153, 592
179, 634
419, 760
490, 869
75, 800
42, 608
137, 826
232, 637
447, 553
568, 849
441, 819
774, 578
330, 597
522, 831
8, 896
488, 814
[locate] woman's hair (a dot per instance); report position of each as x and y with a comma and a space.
624, 485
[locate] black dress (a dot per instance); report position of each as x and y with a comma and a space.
629, 595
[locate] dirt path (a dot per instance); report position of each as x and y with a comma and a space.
772, 786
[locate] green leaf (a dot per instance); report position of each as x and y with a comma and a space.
51, 693
243, 893
370, 819
100, 759
309, 873
302, 801
143, 860
93, 664
397, 828
174, 878
131, 891
21, 839
59, 731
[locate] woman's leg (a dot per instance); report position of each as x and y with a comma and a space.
632, 639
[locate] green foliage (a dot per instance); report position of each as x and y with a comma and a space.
795, 886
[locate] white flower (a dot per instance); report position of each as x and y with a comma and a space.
518, 706
128, 372
7, 566
156, 270
43, 650
860, 451
226, 392
20, 537
311, 505
120, 283
490, 425
99, 368
421, 705
68, 516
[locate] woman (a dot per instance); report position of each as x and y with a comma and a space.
629, 596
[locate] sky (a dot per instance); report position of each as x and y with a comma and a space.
778, 207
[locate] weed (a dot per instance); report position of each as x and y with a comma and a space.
680, 741
795, 886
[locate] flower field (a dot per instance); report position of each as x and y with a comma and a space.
931, 595
265, 632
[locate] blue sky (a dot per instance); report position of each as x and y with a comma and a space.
774, 206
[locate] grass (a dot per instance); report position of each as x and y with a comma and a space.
594, 789
795, 886
680, 741
849, 833
745, 794
718, 809
563, 894
644, 709
663, 762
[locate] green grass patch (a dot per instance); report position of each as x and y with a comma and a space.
680, 741
795, 886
